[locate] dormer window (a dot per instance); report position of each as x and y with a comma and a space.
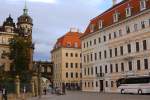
142, 5
128, 11
76, 45
92, 28
68, 45
116, 17
100, 24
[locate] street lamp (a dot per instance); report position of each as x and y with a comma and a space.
39, 78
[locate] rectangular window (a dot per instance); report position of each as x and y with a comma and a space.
143, 24
137, 47
138, 65
71, 65
90, 43
71, 54
116, 17
92, 28
100, 55
127, 29
91, 57
84, 59
122, 67
87, 44
109, 36
66, 54
105, 54
87, 58
144, 45
120, 32
95, 56
88, 71
96, 84
105, 68
116, 67
106, 83
99, 39
76, 75
66, 65
84, 71
96, 70
121, 50
66, 75
135, 27
84, 45
76, 65
91, 70
142, 5
94, 41
104, 38
110, 51
115, 35
130, 65
115, 51
100, 68
112, 84
129, 48
128, 11
100, 24
146, 63
71, 75
111, 68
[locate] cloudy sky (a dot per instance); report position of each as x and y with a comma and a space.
53, 18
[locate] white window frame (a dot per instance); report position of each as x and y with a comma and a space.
76, 45
100, 24
128, 11
116, 17
142, 5
92, 28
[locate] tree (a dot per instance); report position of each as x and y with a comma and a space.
20, 56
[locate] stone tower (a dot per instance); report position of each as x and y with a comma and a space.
24, 25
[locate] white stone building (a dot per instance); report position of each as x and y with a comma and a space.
116, 44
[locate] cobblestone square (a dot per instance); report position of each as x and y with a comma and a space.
74, 95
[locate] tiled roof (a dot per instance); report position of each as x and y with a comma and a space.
107, 16
70, 38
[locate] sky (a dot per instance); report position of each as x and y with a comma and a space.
53, 18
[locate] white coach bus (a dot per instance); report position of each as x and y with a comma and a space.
140, 85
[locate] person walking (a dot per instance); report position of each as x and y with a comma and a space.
4, 94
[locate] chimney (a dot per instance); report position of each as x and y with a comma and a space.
114, 2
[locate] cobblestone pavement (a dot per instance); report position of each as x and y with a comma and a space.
94, 96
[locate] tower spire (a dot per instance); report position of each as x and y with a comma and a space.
25, 10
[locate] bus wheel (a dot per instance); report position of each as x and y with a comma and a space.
122, 91
139, 91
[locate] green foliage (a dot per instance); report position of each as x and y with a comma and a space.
19, 53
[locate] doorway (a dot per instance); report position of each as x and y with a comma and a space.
101, 86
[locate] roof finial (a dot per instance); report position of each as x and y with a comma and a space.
25, 10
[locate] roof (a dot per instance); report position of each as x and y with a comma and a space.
107, 16
69, 40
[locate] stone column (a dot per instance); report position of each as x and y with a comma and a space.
33, 86
17, 81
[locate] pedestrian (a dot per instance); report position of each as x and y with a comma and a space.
45, 91
4, 94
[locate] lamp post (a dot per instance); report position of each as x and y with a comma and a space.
39, 78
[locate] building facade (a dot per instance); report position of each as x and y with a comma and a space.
116, 44
8, 30
66, 57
